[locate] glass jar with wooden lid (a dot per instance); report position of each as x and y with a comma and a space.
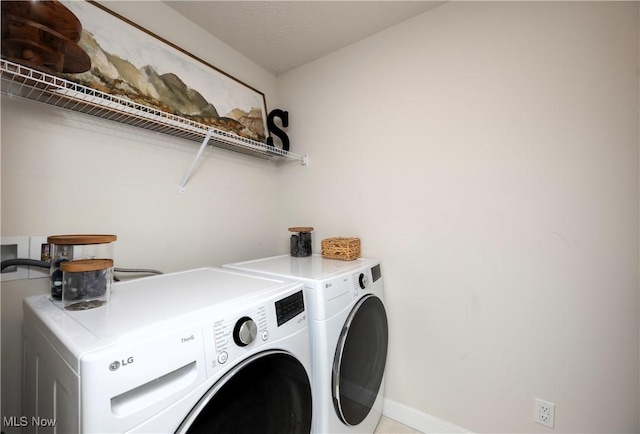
300, 241
75, 247
86, 283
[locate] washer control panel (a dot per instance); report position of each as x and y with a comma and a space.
236, 333
289, 307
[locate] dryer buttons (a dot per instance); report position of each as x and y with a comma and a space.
245, 331
363, 280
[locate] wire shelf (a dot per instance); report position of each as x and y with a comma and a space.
27, 83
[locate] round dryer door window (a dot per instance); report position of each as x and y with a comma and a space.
359, 362
269, 393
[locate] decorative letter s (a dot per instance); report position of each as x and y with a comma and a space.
273, 128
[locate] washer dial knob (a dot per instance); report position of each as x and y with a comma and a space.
245, 331
363, 280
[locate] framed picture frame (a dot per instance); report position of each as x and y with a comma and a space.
156, 73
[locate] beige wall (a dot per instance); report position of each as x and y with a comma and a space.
488, 153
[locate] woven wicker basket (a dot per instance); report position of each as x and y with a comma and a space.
344, 249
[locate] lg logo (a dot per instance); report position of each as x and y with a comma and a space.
115, 365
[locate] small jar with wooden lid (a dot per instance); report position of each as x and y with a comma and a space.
300, 241
86, 283
72, 248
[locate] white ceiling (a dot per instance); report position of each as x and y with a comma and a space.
282, 35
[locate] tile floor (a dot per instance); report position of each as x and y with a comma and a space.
390, 426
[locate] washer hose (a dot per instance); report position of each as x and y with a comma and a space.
45, 264
29, 262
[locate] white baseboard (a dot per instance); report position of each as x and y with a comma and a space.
417, 420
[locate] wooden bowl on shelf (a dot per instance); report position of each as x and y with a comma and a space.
43, 35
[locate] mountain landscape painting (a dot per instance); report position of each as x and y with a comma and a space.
131, 63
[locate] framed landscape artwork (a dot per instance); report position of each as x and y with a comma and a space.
131, 62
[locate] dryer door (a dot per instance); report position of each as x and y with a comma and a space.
268, 393
358, 365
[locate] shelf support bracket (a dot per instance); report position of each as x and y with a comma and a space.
195, 161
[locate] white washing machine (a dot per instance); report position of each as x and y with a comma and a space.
349, 336
205, 350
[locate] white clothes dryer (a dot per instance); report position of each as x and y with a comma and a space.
349, 336
199, 351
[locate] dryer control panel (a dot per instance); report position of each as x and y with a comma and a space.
336, 294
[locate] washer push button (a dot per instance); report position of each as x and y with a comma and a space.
223, 357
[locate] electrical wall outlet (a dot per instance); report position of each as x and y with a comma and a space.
545, 413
